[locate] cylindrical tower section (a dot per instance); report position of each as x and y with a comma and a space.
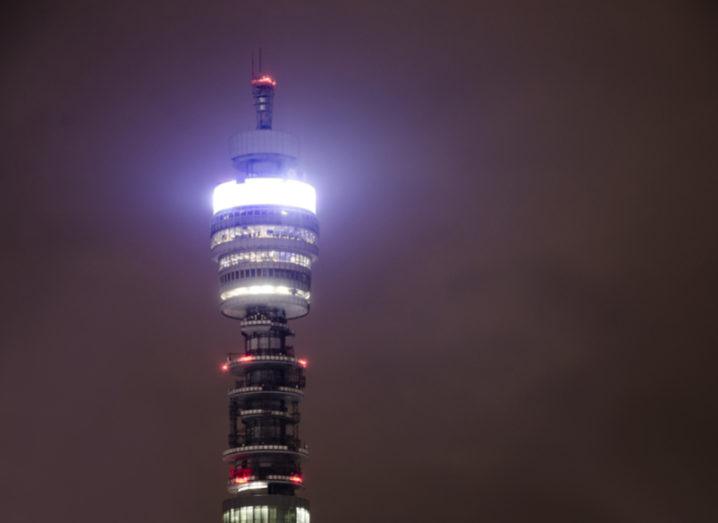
264, 239
265, 449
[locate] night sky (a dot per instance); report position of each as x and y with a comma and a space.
514, 309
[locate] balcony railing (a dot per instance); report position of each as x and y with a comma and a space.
230, 454
265, 389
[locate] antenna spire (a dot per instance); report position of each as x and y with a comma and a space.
263, 86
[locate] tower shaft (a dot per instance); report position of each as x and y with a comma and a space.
263, 238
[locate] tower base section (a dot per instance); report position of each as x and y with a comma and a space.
265, 509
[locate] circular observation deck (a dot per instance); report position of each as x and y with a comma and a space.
264, 236
236, 302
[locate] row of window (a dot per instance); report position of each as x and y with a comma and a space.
274, 215
285, 274
266, 341
266, 514
236, 258
290, 407
263, 431
281, 232
294, 381
283, 375
264, 315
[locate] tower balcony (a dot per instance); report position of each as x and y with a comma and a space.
235, 362
241, 451
264, 413
252, 325
236, 301
268, 390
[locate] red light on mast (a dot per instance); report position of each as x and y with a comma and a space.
244, 359
295, 479
225, 367
265, 79
303, 362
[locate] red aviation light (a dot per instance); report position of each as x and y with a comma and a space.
240, 476
295, 479
245, 359
265, 79
225, 367
303, 363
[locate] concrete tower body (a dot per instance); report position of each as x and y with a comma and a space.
264, 240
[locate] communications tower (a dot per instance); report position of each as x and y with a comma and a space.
264, 240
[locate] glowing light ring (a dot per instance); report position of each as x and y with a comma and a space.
265, 191
255, 290
254, 485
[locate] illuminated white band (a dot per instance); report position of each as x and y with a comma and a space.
254, 290
265, 191
254, 485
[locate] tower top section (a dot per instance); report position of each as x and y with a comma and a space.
263, 151
263, 86
263, 93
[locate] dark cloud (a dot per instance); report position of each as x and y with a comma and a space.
513, 313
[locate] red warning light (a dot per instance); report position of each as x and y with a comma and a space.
265, 79
303, 362
246, 358
240, 476
225, 367
295, 479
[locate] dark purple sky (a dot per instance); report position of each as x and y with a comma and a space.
514, 310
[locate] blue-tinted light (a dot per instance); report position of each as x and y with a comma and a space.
265, 191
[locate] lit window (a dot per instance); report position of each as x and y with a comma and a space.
302, 515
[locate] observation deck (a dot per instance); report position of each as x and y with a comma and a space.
263, 237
